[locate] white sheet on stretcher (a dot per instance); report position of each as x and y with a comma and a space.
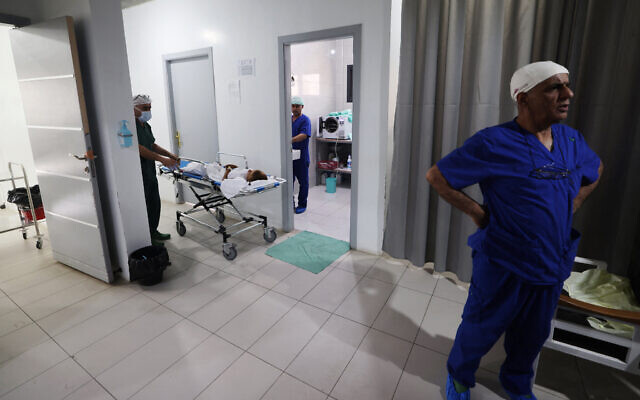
232, 187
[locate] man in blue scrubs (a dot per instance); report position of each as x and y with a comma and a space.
301, 132
534, 174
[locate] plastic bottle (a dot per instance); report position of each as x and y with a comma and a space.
124, 134
349, 162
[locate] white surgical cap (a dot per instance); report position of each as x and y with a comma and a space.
297, 100
141, 99
527, 77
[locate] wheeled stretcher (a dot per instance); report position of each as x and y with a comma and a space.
211, 200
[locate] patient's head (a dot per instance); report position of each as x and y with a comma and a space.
256, 175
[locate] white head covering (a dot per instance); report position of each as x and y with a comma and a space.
527, 77
141, 99
297, 100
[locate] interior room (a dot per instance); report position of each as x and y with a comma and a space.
209, 285
320, 75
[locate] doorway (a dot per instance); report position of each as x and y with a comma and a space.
192, 109
323, 68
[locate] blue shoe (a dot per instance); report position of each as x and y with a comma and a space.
452, 393
300, 210
520, 396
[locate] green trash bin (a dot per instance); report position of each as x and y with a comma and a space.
331, 185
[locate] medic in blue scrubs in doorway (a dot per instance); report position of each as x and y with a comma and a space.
534, 174
300, 132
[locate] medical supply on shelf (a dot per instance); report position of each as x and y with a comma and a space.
349, 162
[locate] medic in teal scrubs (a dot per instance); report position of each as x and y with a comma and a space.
533, 174
150, 152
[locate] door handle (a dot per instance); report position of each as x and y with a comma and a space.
179, 139
87, 156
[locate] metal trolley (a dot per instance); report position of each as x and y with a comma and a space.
24, 223
211, 201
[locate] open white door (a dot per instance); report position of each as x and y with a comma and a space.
48, 70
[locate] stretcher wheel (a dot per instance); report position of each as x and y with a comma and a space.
269, 235
24, 235
38, 244
229, 252
181, 228
220, 217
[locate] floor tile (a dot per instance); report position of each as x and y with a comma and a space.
560, 372
20, 340
365, 301
300, 282
249, 263
64, 319
447, 289
54, 384
65, 298
12, 321
99, 326
419, 279
221, 310
322, 361
375, 369
234, 385
403, 313
172, 287
387, 270
45, 289
438, 330
34, 278
289, 388
280, 345
132, 373
29, 364
357, 262
197, 296
248, 326
90, 391
332, 290
423, 377
7, 306
193, 373
272, 273
114, 347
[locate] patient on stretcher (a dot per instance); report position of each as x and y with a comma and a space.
250, 175
219, 173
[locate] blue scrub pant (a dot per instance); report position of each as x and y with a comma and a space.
499, 302
301, 173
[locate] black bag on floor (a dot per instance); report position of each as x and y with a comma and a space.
147, 264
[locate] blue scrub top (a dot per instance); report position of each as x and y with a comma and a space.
529, 191
301, 125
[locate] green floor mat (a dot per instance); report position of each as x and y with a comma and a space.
309, 251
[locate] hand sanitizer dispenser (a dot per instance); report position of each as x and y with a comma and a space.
124, 134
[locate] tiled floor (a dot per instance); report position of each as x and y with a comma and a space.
327, 213
367, 327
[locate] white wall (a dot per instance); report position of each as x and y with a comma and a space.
14, 139
250, 29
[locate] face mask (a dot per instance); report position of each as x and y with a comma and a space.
145, 116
